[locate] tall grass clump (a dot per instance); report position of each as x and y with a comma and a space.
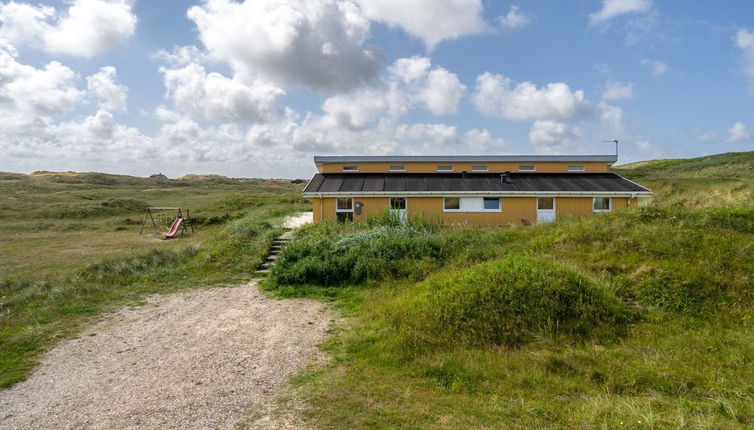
330, 254
506, 303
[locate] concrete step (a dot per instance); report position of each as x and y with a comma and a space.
271, 258
274, 252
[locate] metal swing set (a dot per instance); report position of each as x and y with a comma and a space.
165, 226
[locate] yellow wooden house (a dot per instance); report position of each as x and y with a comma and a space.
473, 190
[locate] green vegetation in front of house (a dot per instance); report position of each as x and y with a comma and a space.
71, 248
437, 336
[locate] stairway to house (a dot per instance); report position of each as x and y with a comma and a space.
277, 245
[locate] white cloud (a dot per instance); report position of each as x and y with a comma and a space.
442, 92
499, 96
102, 85
432, 21
615, 8
87, 28
27, 93
410, 83
212, 96
181, 56
513, 20
657, 68
480, 141
738, 132
316, 44
618, 91
553, 137
745, 42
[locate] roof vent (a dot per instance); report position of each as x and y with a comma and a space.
505, 177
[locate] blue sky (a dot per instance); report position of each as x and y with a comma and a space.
255, 88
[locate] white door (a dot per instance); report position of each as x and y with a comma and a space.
545, 209
398, 209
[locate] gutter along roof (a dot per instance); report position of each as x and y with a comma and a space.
462, 158
519, 184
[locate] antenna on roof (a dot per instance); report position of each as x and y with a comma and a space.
616, 145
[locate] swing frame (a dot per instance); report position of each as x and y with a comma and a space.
186, 220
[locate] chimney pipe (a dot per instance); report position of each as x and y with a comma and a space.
504, 178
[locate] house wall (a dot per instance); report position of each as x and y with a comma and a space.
515, 210
371, 206
541, 167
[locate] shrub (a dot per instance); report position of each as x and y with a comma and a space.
506, 302
326, 257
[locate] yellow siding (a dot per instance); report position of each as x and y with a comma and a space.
324, 209
622, 203
573, 206
544, 167
371, 206
515, 210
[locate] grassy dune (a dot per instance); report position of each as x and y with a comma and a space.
70, 248
527, 327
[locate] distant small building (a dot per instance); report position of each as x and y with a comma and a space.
473, 190
158, 176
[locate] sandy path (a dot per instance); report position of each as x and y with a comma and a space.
295, 221
193, 360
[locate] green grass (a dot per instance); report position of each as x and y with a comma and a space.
524, 327
71, 248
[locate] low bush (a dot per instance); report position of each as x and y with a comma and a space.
331, 255
507, 302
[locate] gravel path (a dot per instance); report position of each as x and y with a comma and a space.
194, 360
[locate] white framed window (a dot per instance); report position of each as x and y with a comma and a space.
545, 203
397, 168
350, 168
343, 205
491, 204
444, 168
479, 168
603, 204
452, 204
576, 168
527, 168
344, 209
471, 204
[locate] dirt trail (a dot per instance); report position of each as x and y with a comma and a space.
193, 360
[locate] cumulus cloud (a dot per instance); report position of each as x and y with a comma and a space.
553, 137
480, 141
499, 96
657, 68
614, 8
317, 44
102, 85
410, 83
745, 42
738, 132
618, 90
85, 29
212, 96
181, 56
27, 93
432, 21
513, 20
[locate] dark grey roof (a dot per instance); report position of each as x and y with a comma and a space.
461, 158
452, 183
